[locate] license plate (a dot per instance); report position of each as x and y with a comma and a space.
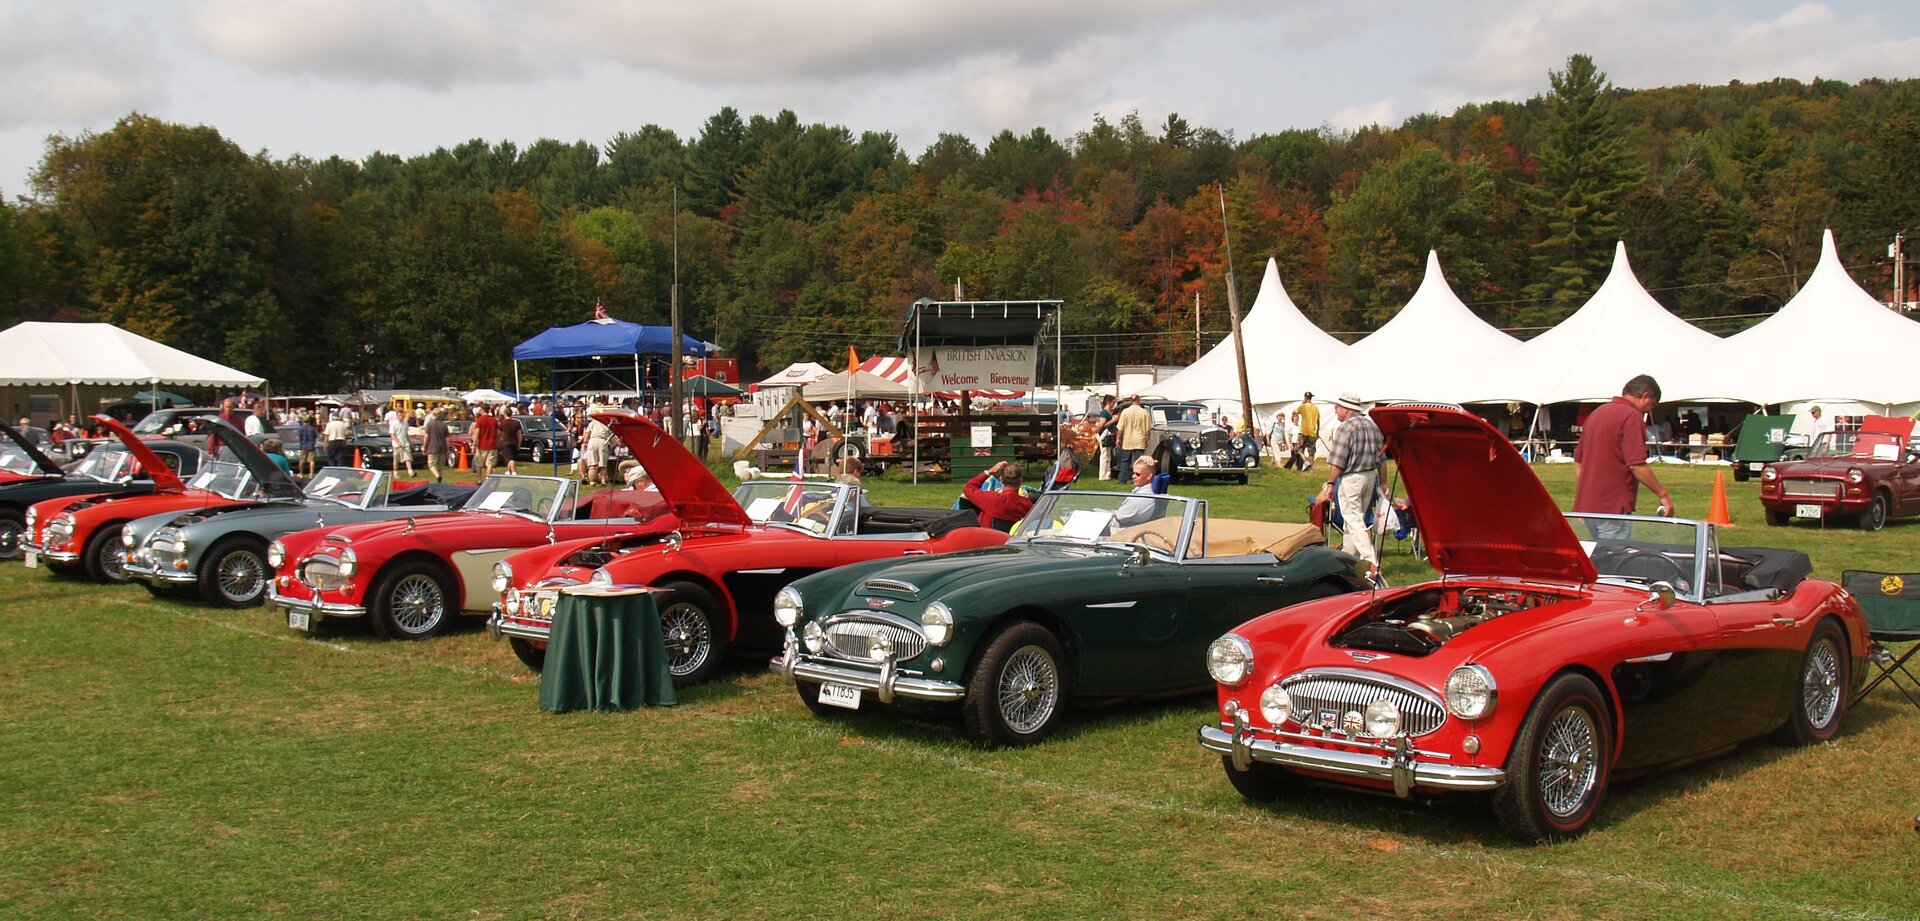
299, 620
839, 695
32, 560
1203, 461
1806, 510
1756, 466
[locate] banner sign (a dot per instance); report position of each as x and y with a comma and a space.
963, 367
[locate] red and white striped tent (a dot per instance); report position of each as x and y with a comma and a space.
901, 370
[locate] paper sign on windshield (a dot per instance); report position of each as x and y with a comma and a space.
495, 501
763, 508
324, 485
1087, 523
1886, 452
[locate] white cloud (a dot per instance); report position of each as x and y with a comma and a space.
64, 63
435, 44
1377, 112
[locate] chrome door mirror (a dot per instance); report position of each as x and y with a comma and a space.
1662, 594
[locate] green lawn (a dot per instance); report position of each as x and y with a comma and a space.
165, 760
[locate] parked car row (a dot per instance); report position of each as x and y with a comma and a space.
1556, 653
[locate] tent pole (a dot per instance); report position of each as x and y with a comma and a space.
914, 394
516, 377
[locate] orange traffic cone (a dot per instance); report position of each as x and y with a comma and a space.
464, 463
358, 460
1717, 509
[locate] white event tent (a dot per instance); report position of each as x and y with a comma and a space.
1281, 342
1417, 355
70, 354
1619, 332
1832, 343
798, 374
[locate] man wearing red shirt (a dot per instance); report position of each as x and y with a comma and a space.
486, 442
1611, 461
1000, 508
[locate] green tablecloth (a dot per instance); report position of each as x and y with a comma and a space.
605, 653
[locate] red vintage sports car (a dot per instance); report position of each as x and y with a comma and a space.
1542, 666
82, 535
112, 468
412, 576
718, 578
1863, 477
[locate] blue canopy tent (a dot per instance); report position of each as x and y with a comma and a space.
601, 339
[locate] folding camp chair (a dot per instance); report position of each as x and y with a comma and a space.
1891, 601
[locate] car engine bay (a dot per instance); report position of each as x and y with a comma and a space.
1421, 622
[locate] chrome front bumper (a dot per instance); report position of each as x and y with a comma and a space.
319, 610
1403, 766
154, 574
56, 556
883, 679
499, 626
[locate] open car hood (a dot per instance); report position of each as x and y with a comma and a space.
273, 482
1480, 508
47, 465
693, 493
164, 479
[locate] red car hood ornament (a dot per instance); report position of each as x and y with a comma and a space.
693, 493
1481, 509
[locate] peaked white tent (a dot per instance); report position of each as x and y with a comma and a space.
1832, 342
1619, 332
798, 374
1281, 341
71, 354
1420, 354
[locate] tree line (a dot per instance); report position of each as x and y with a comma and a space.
797, 240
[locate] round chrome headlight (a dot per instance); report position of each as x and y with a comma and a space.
348, 563
1854, 475
936, 622
1382, 719
1769, 474
1471, 693
815, 637
600, 577
126, 537
1230, 660
787, 606
276, 554
502, 577
1276, 705
33, 518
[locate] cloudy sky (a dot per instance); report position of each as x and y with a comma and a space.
351, 77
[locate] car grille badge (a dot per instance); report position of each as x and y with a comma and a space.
879, 602
1365, 657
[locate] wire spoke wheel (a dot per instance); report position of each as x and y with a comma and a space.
1029, 689
242, 576
1820, 682
1569, 762
418, 603
12, 531
689, 637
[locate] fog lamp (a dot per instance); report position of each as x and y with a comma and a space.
1276, 705
1382, 719
815, 637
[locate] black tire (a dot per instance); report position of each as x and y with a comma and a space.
696, 634
1164, 464
539, 455
533, 657
1557, 771
1875, 517
13, 530
1017, 689
412, 601
1778, 519
1242, 478
1260, 783
848, 448
1739, 472
1820, 696
235, 574
103, 560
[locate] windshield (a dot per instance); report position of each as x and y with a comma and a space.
224, 477
536, 496
347, 486
15, 460
366, 430
811, 504
538, 424
1159, 523
1881, 445
155, 423
107, 463
1642, 551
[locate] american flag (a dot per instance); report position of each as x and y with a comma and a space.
599, 310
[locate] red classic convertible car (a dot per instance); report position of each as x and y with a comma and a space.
412, 576
1866, 477
82, 535
1543, 665
718, 578
122, 467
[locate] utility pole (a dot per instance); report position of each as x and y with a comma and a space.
1196, 326
1233, 313
1898, 253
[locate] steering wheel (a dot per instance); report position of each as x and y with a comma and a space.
1156, 539
1648, 565
542, 507
817, 512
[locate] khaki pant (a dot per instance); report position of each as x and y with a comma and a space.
1355, 491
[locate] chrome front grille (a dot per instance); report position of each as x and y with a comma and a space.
162, 549
1215, 440
853, 637
1810, 489
1316, 694
322, 572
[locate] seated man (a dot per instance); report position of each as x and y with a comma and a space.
1140, 507
1000, 508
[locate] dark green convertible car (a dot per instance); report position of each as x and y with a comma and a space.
1099, 596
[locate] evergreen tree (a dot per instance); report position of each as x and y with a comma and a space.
1585, 172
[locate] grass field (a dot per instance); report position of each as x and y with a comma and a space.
163, 760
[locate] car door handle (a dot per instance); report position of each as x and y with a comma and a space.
1784, 621
1271, 580
913, 553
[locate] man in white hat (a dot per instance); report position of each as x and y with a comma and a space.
1353, 462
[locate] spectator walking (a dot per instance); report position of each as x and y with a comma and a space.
309, 440
436, 441
509, 439
1306, 421
486, 442
1280, 440
402, 445
1102, 419
1130, 434
1610, 463
338, 433
1353, 468
999, 508
599, 441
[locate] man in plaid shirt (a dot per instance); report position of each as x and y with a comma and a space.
1353, 462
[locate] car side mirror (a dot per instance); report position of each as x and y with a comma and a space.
1137, 555
1662, 594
